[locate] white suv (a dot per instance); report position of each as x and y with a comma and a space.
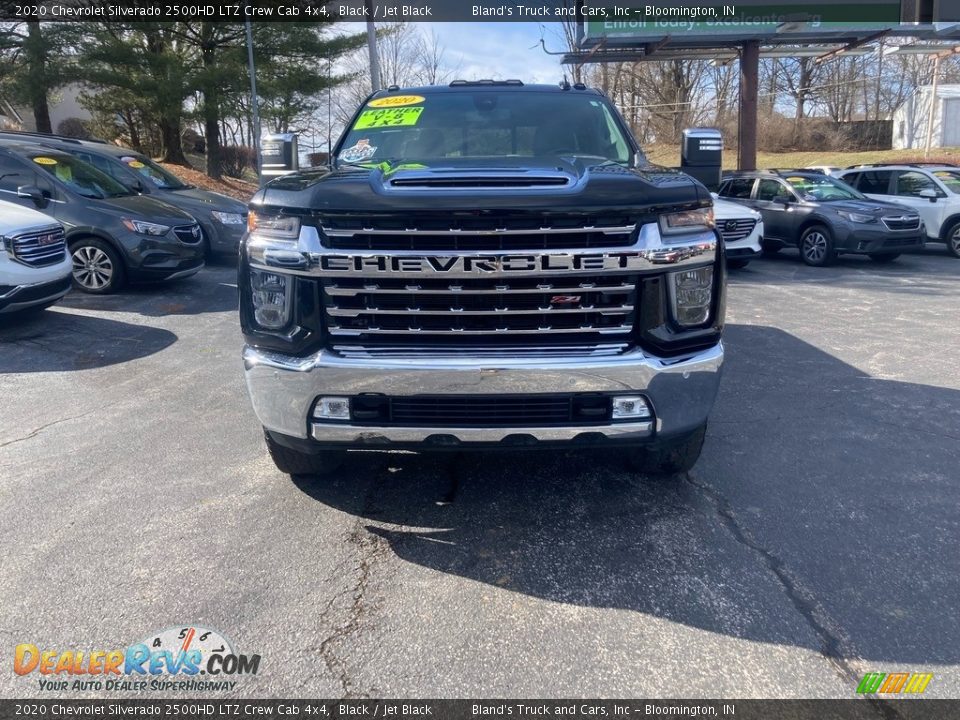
35, 268
741, 229
931, 190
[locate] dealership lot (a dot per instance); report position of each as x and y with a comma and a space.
815, 540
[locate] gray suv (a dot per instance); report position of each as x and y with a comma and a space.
113, 234
222, 219
823, 216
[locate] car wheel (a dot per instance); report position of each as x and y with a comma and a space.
884, 257
816, 246
953, 240
737, 263
294, 462
672, 458
97, 267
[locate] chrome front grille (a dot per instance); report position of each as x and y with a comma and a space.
189, 234
904, 222
581, 312
39, 248
734, 230
478, 233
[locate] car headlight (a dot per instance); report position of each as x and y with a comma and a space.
145, 228
687, 221
276, 226
856, 217
227, 218
271, 294
691, 294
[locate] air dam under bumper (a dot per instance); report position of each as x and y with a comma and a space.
283, 389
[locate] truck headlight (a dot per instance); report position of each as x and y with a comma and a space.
142, 227
687, 221
856, 217
271, 294
286, 227
691, 294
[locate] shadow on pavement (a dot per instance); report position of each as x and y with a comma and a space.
209, 291
57, 341
845, 484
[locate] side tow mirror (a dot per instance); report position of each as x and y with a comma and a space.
34, 193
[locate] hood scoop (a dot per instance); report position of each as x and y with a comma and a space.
492, 179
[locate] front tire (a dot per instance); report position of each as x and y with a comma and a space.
884, 257
97, 267
953, 240
294, 462
675, 457
816, 246
769, 248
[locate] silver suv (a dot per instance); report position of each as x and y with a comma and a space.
931, 190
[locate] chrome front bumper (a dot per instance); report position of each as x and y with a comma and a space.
283, 390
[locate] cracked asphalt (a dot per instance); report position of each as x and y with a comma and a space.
816, 540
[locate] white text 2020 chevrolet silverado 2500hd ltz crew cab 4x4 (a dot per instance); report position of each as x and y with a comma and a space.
483, 265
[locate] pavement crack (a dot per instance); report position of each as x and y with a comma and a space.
369, 547
36, 431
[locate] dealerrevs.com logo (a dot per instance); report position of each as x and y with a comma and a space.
190, 658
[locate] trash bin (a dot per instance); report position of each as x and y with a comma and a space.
278, 155
701, 155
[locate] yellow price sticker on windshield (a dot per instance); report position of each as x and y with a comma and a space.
395, 101
393, 117
136, 164
44, 161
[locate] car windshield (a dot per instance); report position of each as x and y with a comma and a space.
83, 178
950, 178
417, 129
821, 188
144, 166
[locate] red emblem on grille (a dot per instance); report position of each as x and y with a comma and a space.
564, 299
46, 239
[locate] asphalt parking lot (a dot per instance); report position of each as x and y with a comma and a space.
816, 540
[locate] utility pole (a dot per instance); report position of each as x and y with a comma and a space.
372, 46
749, 72
932, 115
254, 102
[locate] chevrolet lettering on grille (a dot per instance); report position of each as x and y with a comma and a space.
461, 266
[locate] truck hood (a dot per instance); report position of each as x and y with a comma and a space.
16, 218
500, 183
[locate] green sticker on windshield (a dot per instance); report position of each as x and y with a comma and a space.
390, 117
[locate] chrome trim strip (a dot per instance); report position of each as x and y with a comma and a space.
350, 332
543, 352
615, 230
335, 291
185, 273
356, 312
329, 432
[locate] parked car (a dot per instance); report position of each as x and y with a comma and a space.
34, 264
741, 229
113, 235
823, 216
933, 191
222, 219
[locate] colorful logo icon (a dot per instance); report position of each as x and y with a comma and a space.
894, 683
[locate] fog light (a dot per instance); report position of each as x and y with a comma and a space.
332, 408
691, 292
271, 296
630, 407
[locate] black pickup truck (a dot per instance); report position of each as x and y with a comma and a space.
485, 265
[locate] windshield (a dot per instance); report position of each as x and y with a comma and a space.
81, 177
823, 188
147, 168
484, 124
950, 178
